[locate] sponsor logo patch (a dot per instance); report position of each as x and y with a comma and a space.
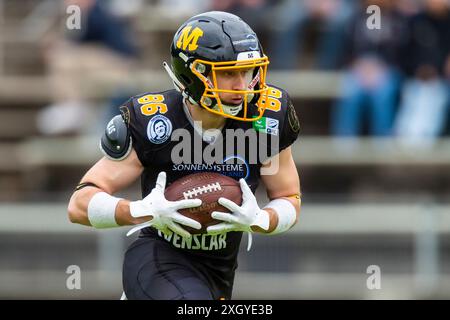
267, 125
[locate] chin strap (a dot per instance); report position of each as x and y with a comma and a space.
178, 85
231, 110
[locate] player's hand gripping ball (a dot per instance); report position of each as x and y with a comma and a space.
209, 187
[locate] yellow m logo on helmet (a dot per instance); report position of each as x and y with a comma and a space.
189, 38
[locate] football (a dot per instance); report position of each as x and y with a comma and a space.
209, 187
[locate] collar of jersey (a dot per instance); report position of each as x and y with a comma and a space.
205, 137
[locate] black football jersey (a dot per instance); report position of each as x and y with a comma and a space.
165, 139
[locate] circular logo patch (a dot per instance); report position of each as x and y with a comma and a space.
235, 166
159, 129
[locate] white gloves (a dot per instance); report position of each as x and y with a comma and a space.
242, 217
164, 212
167, 219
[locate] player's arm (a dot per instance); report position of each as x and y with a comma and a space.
279, 215
93, 203
106, 176
283, 185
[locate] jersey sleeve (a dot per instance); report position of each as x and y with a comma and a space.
280, 122
151, 118
291, 126
135, 125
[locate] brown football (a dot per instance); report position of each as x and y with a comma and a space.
209, 187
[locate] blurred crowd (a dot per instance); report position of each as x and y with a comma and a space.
396, 77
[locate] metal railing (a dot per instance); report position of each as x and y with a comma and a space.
308, 150
423, 223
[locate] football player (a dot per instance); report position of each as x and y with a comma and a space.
219, 71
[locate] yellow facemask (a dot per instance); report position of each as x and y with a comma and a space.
211, 93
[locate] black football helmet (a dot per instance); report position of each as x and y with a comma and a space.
218, 41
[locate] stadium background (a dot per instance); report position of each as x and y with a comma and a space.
378, 196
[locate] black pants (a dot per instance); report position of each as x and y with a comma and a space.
154, 270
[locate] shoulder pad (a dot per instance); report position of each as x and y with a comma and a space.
116, 142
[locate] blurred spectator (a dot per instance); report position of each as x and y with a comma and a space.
253, 12
98, 57
289, 32
180, 9
370, 87
425, 96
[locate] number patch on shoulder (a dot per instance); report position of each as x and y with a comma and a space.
273, 99
151, 104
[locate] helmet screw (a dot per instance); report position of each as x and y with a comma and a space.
200, 68
207, 101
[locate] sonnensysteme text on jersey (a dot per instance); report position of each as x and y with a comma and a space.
235, 143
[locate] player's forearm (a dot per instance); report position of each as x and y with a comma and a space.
273, 216
273, 222
79, 203
123, 215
